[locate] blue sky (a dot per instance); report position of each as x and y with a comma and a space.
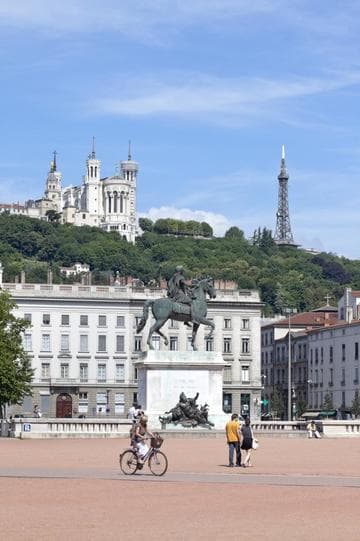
207, 90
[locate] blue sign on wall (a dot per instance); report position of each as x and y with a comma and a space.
26, 427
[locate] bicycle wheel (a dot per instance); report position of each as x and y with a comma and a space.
128, 462
158, 463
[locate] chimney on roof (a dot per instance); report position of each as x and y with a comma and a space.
348, 306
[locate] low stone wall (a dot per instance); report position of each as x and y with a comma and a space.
119, 428
69, 428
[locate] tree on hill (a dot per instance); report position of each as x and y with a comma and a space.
234, 233
146, 224
15, 366
53, 216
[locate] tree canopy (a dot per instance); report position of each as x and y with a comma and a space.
285, 276
15, 366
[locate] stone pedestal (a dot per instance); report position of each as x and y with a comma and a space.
163, 375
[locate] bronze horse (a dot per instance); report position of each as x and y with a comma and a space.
164, 309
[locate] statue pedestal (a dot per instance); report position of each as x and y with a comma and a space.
163, 375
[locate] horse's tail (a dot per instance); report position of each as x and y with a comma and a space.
143, 320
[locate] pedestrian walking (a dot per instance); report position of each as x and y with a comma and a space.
233, 436
247, 442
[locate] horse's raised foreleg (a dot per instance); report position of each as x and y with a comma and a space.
156, 328
193, 335
208, 323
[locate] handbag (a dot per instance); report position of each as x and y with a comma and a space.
255, 444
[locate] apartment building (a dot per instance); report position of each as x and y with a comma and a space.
83, 345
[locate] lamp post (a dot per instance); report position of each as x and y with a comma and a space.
290, 312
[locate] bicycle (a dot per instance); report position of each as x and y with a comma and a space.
157, 460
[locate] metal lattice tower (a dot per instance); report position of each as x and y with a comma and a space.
283, 233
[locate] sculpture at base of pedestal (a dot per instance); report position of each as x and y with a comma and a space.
164, 375
187, 413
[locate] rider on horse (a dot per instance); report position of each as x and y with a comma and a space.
179, 291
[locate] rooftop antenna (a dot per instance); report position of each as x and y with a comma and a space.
93, 148
129, 151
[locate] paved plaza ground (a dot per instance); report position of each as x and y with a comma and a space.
298, 489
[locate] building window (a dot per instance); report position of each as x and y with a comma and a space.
245, 325
120, 321
209, 344
102, 321
245, 345
120, 343
101, 403
135, 373
137, 320
227, 345
45, 342
64, 370
316, 355
188, 343
245, 374
331, 354
155, 340
331, 382
27, 341
227, 374
65, 319
343, 352
173, 324
356, 351
137, 343
173, 343
227, 323
101, 343
119, 403
27, 317
356, 378
83, 403
322, 355
84, 372
84, 343
101, 372
46, 319
84, 321
65, 342
45, 370
342, 376
120, 372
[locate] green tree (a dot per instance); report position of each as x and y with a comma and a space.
355, 406
277, 405
300, 407
328, 402
15, 366
53, 216
234, 233
146, 224
206, 229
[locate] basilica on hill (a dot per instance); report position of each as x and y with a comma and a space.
108, 203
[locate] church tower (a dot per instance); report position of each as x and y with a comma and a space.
129, 171
92, 201
53, 186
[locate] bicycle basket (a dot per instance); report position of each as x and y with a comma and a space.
156, 442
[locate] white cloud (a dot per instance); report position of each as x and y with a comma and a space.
127, 16
201, 95
218, 222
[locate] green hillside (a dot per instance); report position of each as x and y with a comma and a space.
286, 277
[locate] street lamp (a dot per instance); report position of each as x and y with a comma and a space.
290, 312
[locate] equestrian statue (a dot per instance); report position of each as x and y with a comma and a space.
185, 303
